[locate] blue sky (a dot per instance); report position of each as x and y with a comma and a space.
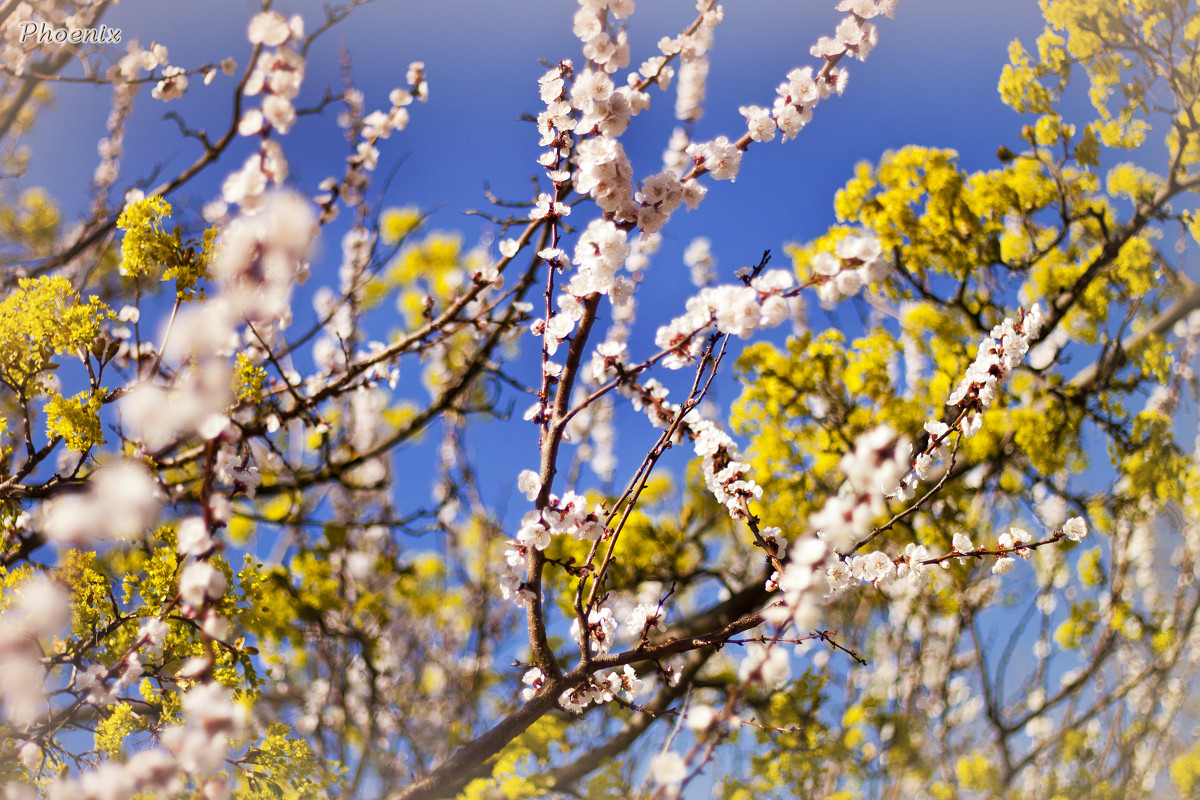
930, 81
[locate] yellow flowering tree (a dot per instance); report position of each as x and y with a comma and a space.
1087, 695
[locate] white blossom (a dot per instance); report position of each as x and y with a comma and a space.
720, 157
998, 356
1075, 529
533, 680
269, 28
668, 769
528, 483
201, 582
192, 537
120, 502
759, 121
172, 86
769, 665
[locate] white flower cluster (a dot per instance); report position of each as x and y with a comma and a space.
793, 108
735, 309
999, 354
857, 261
879, 461
675, 158
599, 254
381, 124
263, 255
1163, 401
1012, 540
201, 583
277, 75
644, 618
533, 679
855, 36
881, 570
593, 433
212, 718
414, 76
172, 86
766, 664
961, 543
700, 717
365, 423
801, 601
691, 89
339, 331
699, 259
1187, 332
373, 127
603, 171
652, 398
1075, 529
693, 56
669, 770
201, 397
922, 465
556, 121
604, 108
41, 610
562, 516
661, 195
120, 501
656, 69
197, 749
599, 45
152, 772
93, 682
192, 537
760, 122
247, 186
725, 474
797, 96
18, 42
601, 250
569, 515
546, 206
720, 157
602, 689
125, 76
601, 631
